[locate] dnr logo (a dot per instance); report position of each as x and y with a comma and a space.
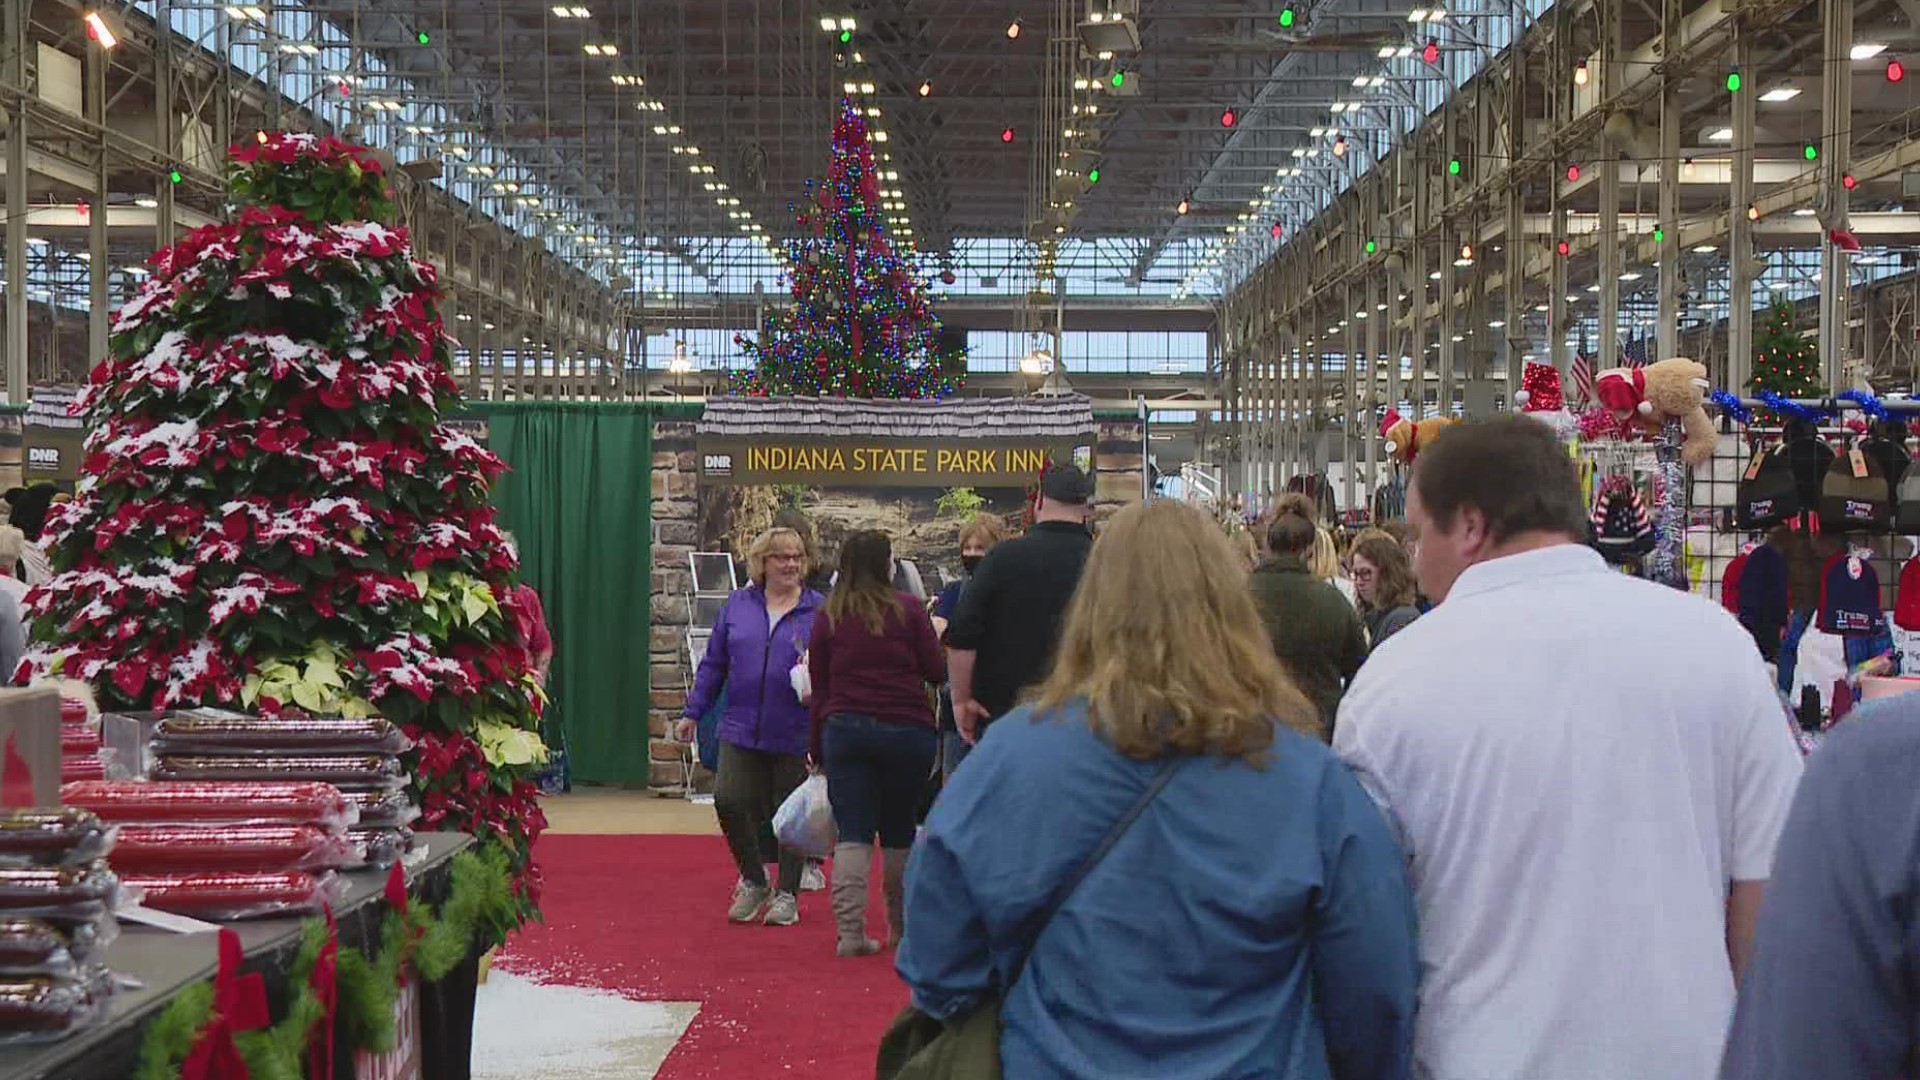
44, 457
717, 464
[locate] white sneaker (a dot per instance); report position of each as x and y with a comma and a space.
749, 902
811, 879
784, 910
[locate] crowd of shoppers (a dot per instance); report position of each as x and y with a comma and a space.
1571, 782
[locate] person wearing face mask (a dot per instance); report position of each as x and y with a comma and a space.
976, 539
1589, 773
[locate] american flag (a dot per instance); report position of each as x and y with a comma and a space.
1582, 371
1637, 352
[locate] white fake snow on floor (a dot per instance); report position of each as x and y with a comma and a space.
524, 1030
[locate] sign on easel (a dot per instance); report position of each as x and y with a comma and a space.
403, 1061
52, 439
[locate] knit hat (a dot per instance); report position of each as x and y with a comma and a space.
1906, 599
1540, 388
1763, 587
1849, 596
1621, 528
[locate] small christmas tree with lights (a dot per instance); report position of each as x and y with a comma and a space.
861, 324
1784, 361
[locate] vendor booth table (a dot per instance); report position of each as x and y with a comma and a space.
167, 963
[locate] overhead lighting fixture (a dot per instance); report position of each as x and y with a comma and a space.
1013, 30
1781, 93
299, 48
1580, 75
627, 80
1724, 134
571, 11
1182, 208
1866, 51
600, 50
249, 13
1631, 275
1705, 249
926, 89
97, 30
1804, 211
145, 203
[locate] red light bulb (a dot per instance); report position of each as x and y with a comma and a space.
1274, 230
1563, 248
1006, 135
1849, 182
1228, 118
1431, 54
1896, 71
1573, 172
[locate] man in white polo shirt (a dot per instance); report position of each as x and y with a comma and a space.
1589, 773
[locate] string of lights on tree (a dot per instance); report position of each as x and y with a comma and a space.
1784, 361
862, 324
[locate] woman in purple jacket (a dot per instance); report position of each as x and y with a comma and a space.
760, 636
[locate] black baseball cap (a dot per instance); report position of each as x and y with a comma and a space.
1064, 482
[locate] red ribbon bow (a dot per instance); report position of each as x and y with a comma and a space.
239, 1004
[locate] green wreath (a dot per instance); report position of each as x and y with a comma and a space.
479, 901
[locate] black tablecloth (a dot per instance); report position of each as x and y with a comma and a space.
168, 963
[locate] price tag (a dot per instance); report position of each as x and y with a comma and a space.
1753, 467
1859, 461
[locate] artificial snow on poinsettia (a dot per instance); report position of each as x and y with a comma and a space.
271, 514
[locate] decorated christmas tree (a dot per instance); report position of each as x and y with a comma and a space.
271, 514
861, 324
1784, 361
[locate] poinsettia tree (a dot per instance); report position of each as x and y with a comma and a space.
861, 324
271, 514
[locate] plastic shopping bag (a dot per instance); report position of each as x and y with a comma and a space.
804, 823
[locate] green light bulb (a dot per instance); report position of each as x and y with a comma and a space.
1093, 176
1659, 234
422, 37
1812, 152
1372, 247
1453, 167
174, 176
1286, 18
1119, 79
1733, 82
846, 36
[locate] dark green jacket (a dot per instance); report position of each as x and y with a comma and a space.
1316, 633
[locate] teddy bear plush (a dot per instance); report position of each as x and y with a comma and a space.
1676, 387
1406, 438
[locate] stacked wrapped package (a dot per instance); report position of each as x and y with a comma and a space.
81, 755
56, 917
225, 849
361, 757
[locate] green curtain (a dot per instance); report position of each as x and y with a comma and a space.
577, 499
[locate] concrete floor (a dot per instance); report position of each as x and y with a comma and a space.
524, 1030
616, 812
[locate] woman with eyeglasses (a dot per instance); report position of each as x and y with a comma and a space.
1383, 578
759, 638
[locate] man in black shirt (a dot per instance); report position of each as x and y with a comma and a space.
1002, 638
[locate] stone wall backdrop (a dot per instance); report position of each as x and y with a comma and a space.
675, 536
1119, 464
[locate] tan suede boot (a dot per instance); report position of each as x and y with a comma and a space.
852, 864
893, 885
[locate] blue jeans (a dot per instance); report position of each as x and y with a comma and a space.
953, 750
876, 777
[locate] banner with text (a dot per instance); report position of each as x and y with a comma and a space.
732, 461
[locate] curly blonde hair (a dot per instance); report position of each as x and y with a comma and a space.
1163, 643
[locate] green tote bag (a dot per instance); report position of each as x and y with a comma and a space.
920, 1047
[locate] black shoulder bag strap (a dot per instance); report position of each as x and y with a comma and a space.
1066, 888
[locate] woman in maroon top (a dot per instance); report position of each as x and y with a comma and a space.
872, 655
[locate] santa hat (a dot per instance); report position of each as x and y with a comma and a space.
1540, 388
1387, 427
1624, 390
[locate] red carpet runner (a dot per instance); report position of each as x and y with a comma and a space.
646, 916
